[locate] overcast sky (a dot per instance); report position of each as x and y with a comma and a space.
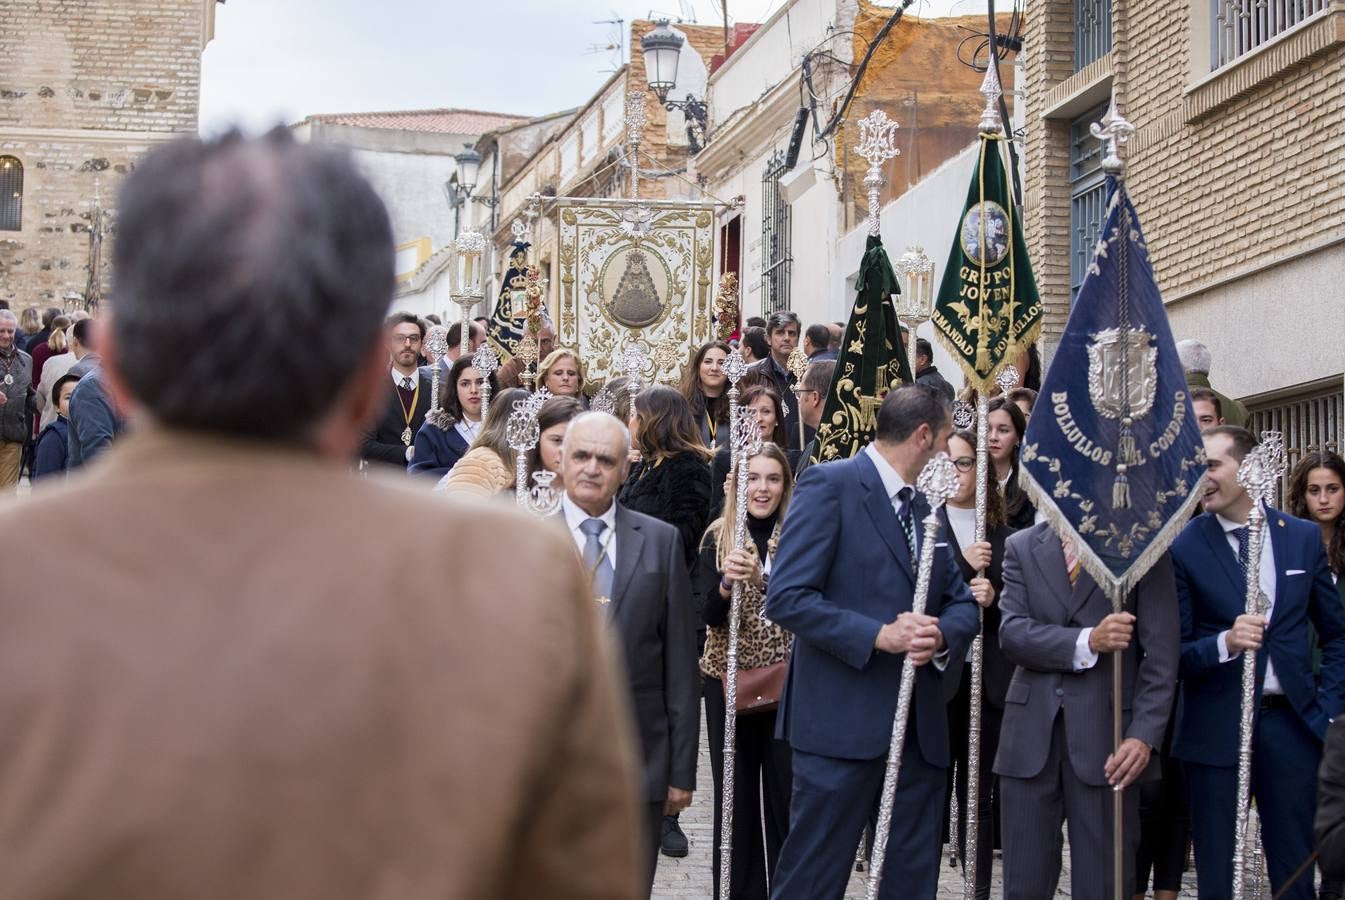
280, 60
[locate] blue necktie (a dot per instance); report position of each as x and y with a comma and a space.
598, 562
907, 520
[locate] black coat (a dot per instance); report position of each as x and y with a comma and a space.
1330, 823
384, 442
676, 491
996, 671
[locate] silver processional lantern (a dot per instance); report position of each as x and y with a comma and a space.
915, 304
468, 269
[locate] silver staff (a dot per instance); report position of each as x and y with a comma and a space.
632, 361
1006, 380
485, 361
735, 367
543, 498
938, 482
523, 433
745, 441
436, 348
1258, 475
877, 144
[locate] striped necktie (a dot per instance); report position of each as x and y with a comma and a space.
1071, 560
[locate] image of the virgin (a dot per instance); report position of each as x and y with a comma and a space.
634, 284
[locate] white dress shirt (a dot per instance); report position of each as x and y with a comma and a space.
1267, 577
468, 429
574, 517
892, 485
398, 376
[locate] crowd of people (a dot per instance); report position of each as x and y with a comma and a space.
404, 683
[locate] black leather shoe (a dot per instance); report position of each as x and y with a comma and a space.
673, 842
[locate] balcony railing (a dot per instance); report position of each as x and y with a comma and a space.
1239, 26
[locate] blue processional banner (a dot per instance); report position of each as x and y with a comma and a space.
1113, 455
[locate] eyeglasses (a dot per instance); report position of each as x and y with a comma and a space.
965, 463
406, 339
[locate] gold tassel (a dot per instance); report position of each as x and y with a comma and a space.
982, 359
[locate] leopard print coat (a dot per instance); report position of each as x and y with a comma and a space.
760, 641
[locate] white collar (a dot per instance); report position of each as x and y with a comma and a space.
398, 376
892, 480
574, 516
1228, 525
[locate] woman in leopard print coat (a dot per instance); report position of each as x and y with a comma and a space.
761, 762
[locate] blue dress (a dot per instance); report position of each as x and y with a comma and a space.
437, 450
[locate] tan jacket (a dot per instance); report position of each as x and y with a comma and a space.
229, 672
480, 473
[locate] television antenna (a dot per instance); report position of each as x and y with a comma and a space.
616, 42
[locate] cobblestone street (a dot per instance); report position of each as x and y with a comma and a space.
690, 877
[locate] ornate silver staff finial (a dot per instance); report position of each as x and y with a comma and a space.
747, 436
877, 144
1276, 458
543, 498
735, 367
1007, 379
1113, 131
436, 348
632, 362
964, 415
1260, 471
938, 480
635, 122
522, 432
990, 89
603, 401
485, 361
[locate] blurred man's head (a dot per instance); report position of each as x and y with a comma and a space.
813, 392
924, 355
1226, 446
816, 339
9, 325
271, 260
84, 337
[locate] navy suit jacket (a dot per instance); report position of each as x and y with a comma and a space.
843, 571
1212, 593
437, 450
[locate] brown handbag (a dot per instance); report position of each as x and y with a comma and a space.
758, 689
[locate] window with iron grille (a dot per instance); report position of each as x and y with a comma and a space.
1088, 196
1240, 26
775, 256
11, 194
1092, 31
1311, 417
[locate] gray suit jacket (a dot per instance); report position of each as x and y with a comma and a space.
654, 619
1042, 617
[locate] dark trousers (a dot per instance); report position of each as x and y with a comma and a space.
761, 786
959, 716
833, 799
1285, 757
1033, 843
654, 835
1165, 827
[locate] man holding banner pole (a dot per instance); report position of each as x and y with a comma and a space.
987, 313
1113, 460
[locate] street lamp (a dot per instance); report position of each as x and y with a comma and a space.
662, 49
469, 168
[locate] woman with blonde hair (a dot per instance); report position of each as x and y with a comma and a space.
761, 763
561, 373
488, 465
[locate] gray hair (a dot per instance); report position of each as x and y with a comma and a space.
8, 314
594, 416
1194, 355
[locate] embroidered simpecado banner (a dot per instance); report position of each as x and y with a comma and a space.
647, 285
988, 309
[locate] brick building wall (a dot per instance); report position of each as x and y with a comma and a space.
1234, 172
87, 87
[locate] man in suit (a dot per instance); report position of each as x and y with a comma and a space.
843, 585
782, 335
1293, 708
640, 580
1056, 759
407, 396
817, 343
928, 373
256, 664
